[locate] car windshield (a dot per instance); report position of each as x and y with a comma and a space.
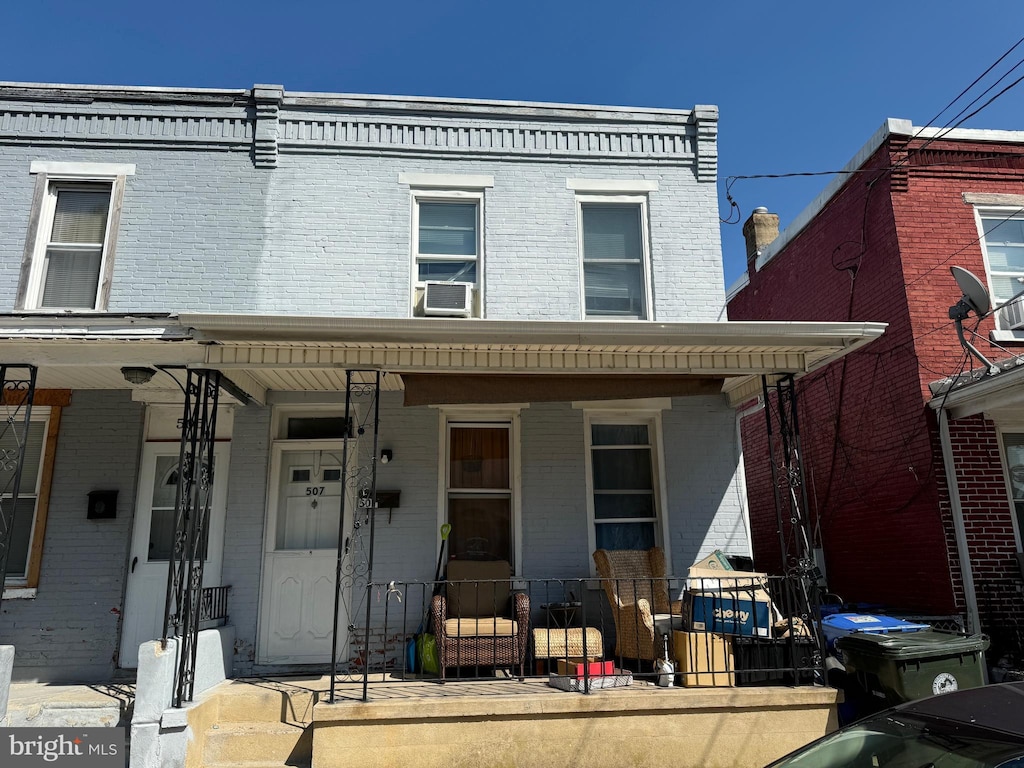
897, 741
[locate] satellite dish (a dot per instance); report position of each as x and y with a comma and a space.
975, 299
974, 292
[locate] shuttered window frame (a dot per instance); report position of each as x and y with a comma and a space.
48, 409
51, 178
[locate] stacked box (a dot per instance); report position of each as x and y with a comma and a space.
704, 660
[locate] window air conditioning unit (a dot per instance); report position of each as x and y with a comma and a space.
1013, 315
442, 299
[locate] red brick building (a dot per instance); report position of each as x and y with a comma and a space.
879, 443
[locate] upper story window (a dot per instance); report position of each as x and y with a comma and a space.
70, 248
447, 240
447, 243
614, 247
1003, 244
615, 282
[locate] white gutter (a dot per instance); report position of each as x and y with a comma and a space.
793, 335
959, 529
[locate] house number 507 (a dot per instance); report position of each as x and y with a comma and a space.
314, 490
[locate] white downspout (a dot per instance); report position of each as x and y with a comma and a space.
960, 530
741, 475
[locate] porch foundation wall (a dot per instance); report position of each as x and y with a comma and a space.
685, 728
160, 735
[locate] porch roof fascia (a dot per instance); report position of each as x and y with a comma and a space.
734, 334
741, 351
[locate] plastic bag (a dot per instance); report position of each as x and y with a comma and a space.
426, 648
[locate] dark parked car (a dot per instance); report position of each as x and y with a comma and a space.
972, 728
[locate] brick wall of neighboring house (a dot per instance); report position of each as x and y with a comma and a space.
870, 467
70, 630
914, 224
988, 523
937, 229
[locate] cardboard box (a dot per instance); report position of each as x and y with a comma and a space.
737, 612
704, 660
716, 561
576, 669
712, 579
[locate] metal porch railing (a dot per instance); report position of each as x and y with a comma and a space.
747, 632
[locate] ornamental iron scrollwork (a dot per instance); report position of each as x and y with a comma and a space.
790, 495
17, 389
354, 570
193, 496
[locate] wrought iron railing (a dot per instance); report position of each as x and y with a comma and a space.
213, 606
713, 632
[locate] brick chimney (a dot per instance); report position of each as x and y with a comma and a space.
759, 230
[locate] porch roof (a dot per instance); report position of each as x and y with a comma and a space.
302, 353
978, 390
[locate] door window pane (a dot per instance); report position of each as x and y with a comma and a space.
309, 502
481, 528
162, 513
479, 457
479, 460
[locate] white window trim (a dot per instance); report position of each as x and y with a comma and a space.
1003, 430
48, 176
989, 211
653, 420
646, 271
425, 195
612, 186
507, 414
446, 180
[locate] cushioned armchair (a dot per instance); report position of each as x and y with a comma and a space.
478, 621
637, 588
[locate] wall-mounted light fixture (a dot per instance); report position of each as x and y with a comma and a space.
386, 456
137, 374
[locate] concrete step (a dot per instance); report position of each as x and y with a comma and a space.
243, 702
252, 744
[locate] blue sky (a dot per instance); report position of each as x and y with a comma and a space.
800, 85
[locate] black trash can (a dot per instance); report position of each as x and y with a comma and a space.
912, 665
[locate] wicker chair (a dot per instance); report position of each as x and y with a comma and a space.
478, 621
634, 581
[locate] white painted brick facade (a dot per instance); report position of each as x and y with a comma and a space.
223, 216
70, 630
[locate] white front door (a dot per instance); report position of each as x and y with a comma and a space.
300, 555
152, 543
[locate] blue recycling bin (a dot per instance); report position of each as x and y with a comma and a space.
841, 624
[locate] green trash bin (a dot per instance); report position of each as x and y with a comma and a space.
912, 665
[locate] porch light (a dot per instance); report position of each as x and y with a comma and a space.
386, 456
137, 374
